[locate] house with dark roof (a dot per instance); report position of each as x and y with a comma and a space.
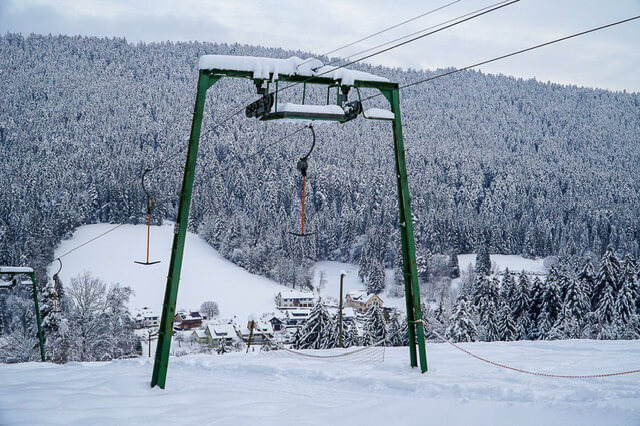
187, 321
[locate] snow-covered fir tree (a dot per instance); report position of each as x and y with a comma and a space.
375, 328
507, 325
625, 305
606, 281
396, 334
606, 313
551, 304
483, 261
574, 310
462, 326
535, 306
316, 329
587, 278
351, 336
375, 280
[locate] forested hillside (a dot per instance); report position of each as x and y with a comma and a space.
519, 165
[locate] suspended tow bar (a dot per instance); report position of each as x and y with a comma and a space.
150, 205
303, 164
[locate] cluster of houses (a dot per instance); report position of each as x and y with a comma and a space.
292, 310
146, 318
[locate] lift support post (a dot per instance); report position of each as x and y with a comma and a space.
206, 79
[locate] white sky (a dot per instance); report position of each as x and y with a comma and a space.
608, 59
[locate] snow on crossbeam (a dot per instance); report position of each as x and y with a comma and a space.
265, 68
379, 114
15, 270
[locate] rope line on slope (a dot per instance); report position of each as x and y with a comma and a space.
523, 371
379, 344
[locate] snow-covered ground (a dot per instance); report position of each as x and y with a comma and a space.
515, 263
351, 282
254, 389
206, 275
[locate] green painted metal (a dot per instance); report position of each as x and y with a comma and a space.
412, 287
161, 363
34, 285
38, 320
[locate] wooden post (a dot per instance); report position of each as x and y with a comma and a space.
252, 324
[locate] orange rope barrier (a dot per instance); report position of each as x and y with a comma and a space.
533, 373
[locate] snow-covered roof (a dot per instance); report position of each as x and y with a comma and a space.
222, 330
361, 295
296, 294
347, 312
379, 114
145, 313
15, 270
298, 313
200, 333
260, 328
357, 294
265, 67
190, 316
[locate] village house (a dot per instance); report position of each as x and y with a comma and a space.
200, 336
294, 300
295, 317
214, 334
348, 314
187, 321
145, 318
278, 323
361, 301
261, 331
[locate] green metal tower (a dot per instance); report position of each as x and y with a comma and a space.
275, 71
13, 273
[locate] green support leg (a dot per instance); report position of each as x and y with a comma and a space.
38, 320
161, 363
412, 286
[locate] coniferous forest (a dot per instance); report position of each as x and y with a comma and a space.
495, 163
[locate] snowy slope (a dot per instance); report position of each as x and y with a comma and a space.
515, 263
254, 389
351, 282
206, 275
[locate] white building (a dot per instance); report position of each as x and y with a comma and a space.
145, 317
294, 299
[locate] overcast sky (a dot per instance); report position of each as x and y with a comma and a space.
608, 59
